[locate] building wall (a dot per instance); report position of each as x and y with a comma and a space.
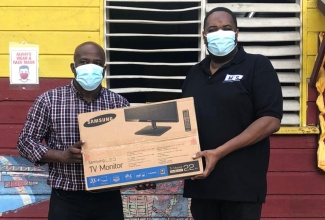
295, 184
313, 23
56, 26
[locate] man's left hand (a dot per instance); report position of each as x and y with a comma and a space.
211, 159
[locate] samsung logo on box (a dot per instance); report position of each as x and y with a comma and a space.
99, 120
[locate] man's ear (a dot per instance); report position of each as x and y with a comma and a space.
236, 35
104, 70
204, 38
73, 69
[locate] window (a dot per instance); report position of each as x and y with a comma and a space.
152, 44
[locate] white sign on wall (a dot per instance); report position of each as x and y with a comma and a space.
23, 63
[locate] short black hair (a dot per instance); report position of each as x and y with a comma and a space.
227, 10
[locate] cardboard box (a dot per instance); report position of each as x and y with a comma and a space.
146, 143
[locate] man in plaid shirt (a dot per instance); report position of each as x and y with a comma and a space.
51, 135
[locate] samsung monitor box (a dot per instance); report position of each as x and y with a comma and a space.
145, 143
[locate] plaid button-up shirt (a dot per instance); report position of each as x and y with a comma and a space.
53, 118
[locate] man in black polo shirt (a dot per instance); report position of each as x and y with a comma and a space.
238, 104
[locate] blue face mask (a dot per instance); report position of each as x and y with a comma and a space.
89, 76
221, 43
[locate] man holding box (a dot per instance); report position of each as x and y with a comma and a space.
238, 103
51, 135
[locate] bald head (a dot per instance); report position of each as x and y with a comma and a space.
89, 48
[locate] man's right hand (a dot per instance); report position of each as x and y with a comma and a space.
72, 154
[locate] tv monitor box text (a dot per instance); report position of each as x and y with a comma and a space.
145, 143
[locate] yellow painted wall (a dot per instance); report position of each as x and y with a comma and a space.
56, 26
313, 22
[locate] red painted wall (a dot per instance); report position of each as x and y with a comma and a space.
14, 105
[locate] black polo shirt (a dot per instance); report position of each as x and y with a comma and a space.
226, 103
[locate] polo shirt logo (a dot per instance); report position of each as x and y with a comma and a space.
233, 78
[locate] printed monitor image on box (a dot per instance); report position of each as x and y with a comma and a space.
164, 112
146, 143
